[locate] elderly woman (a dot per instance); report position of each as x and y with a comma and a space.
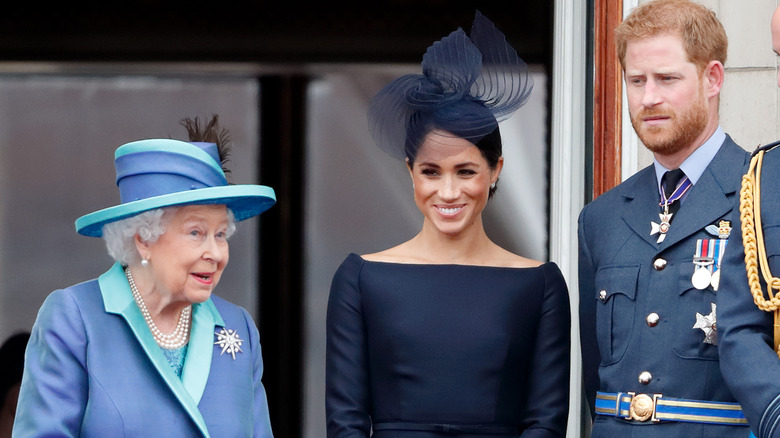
146, 349
448, 334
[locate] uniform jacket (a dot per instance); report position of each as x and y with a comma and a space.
93, 369
749, 364
625, 275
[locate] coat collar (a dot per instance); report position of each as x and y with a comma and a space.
118, 299
707, 201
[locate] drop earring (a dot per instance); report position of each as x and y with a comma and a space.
144, 262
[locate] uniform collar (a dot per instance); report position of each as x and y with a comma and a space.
118, 299
697, 162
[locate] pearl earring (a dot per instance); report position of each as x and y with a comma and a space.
144, 262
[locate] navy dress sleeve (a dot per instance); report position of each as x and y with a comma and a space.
548, 389
346, 375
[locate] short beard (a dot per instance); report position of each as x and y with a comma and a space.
684, 129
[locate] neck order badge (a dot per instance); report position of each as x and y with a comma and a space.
670, 179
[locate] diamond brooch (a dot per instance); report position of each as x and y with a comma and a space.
229, 341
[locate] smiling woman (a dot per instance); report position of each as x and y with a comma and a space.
452, 182
449, 332
152, 318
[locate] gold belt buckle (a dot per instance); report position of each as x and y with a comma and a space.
642, 407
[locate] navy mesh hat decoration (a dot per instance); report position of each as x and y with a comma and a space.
468, 84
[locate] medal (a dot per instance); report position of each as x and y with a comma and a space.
663, 227
701, 277
708, 324
709, 253
702, 260
715, 280
666, 217
718, 249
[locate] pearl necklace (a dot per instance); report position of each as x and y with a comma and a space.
175, 340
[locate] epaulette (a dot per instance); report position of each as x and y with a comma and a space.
765, 147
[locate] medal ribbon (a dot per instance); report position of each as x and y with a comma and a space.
719, 248
679, 191
712, 249
704, 250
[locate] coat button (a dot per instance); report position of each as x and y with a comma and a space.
603, 295
659, 264
652, 319
645, 377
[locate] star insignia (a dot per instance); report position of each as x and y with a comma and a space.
707, 323
229, 341
663, 227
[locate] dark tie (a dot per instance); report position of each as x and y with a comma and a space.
669, 182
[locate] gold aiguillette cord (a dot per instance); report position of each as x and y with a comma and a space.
755, 248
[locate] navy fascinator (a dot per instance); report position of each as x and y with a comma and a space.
468, 84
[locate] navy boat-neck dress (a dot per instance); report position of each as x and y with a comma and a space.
424, 351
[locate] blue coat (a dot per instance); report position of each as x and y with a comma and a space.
640, 277
749, 364
92, 369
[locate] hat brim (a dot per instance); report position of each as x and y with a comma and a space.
244, 201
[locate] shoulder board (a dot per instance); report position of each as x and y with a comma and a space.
766, 147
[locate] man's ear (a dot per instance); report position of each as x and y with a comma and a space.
713, 74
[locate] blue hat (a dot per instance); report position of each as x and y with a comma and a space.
159, 173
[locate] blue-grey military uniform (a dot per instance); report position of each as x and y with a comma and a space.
748, 362
638, 308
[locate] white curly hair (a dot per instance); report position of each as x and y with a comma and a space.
149, 226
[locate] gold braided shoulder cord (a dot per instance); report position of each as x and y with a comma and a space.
755, 249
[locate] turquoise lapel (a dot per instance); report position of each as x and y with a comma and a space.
205, 319
118, 299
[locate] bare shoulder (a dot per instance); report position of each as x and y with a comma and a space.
489, 255
511, 260
396, 254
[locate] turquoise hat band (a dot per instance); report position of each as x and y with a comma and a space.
205, 152
244, 201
